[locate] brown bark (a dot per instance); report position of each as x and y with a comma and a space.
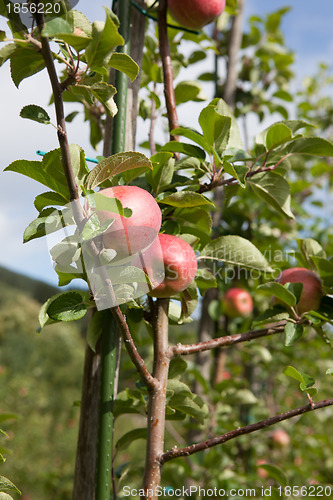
234, 46
85, 467
156, 403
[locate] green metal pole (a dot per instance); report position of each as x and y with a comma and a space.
110, 335
121, 82
105, 432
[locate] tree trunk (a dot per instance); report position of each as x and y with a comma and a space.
85, 467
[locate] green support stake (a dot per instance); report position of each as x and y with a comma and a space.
110, 335
121, 82
109, 342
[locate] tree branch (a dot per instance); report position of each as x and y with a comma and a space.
226, 341
59, 108
234, 46
240, 431
138, 362
167, 67
157, 399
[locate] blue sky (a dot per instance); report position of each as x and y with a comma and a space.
308, 31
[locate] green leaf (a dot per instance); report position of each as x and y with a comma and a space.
315, 146
43, 317
205, 280
271, 315
116, 164
25, 62
306, 381
6, 52
49, 199
160, 177
57, 26
184, 148
103, 203
189, 91
274, 190
293, 332
189, 406
6, 484
5, 496
184, 199
104, 93
282, 94
93, 228
68, 306
7, 416
50, 171
310, 248
237, 251
125, 64
189, 301
177, 366
279, 291
239, 172
67, 275
176, 387
129, 437
48, 221
36, 113
78, 40
194, 136
277, 134
215, 128
196, 221
80, 21
240, 397
105, 38
275, 473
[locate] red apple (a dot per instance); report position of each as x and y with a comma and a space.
312, 291
262, 472
237, 302
281, 438
130, 235
195, 14
179, 261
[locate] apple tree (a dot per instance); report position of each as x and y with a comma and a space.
228, 216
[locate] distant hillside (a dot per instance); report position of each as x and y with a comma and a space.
35, 289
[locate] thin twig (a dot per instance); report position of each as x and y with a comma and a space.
59, 108
226, 341
240, 431
137, 360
